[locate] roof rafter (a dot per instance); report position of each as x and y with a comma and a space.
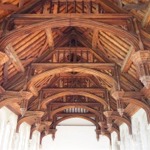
48, 31
146, 18
14, 58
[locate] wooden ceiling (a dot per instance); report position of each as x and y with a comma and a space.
64, 58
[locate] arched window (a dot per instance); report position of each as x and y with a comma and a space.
35, 141
114, 141
126, 139
75, 134
47, 142
24, 134
8, 123
104, 143
140, 129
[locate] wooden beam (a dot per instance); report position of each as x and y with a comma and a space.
2, 90
135, 6
108, 5
16, 94
8, 7
14, 58
72, 49
76, 104
50, 38
55, 1
48, 31
119, 2
5, 74
29, 6
14, 80
48, 52
75, 114
95, 38
127, 61
132, 80
89, 45
3, 58
21, 3
87, 65
72, 15
55, 11
26, 8
95, 90
146, 18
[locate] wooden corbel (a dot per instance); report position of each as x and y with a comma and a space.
102, 125
118, 95
109, 119
141, 59
30, 118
